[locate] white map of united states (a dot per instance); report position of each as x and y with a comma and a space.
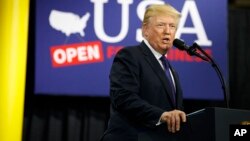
68, 22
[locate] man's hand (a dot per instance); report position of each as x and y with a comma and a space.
173, 119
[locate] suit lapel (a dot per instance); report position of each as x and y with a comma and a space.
153, 62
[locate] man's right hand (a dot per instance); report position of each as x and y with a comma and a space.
173, 119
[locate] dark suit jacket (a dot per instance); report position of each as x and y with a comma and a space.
140, 93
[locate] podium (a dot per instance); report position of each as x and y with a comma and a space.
209, 124
213, 124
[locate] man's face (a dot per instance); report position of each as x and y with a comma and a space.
160, 32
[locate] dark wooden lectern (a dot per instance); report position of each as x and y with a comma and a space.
212, 124
209, 124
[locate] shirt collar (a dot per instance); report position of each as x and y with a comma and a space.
155, 53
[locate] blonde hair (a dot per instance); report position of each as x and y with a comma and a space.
159, 9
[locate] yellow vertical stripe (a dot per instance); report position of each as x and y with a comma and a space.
14, 16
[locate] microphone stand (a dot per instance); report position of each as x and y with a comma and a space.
217, 69
192, 51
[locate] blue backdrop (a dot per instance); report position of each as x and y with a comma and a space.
77, 40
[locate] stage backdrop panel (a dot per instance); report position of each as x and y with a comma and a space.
76, 42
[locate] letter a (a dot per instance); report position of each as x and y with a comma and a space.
198, 28
237, 132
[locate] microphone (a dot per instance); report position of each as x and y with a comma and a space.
190, 50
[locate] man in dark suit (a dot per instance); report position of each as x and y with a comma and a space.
145, 104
